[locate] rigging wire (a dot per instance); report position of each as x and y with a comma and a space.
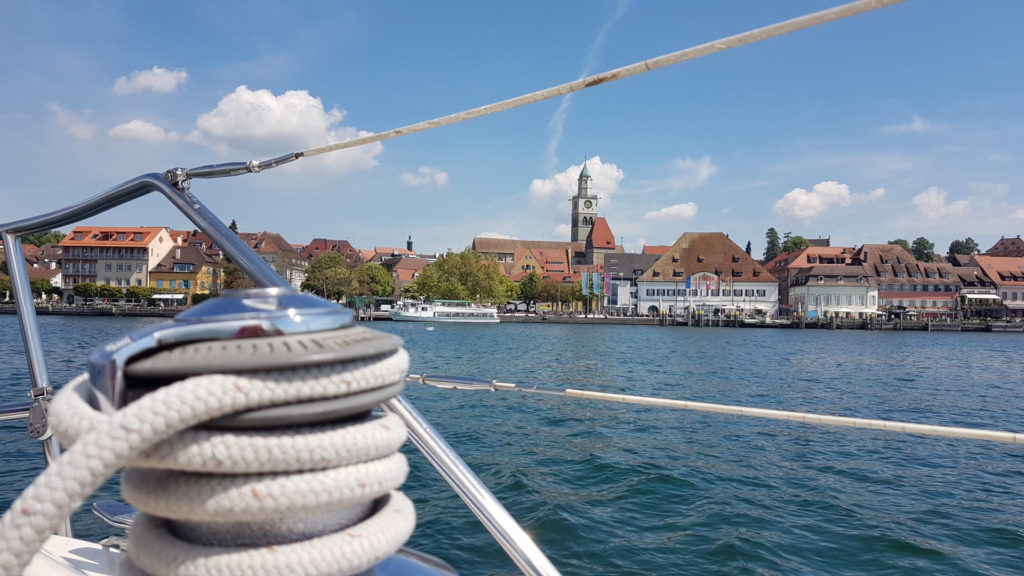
749, 37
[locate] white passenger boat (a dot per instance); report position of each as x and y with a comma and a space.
444, 311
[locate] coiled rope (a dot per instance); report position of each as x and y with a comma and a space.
307, 501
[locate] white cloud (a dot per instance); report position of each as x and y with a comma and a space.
256, 123
916, 125
495, 235
932, 205
72, 124
142, 131
552, 194
685, 211
804, 205
563, 231
159, 80
426, 175
691, 174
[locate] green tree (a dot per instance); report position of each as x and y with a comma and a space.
923, 250
39, 286
5, 287
236, 279
966, 246
107, 291
749, 248
379, 282
465, 275
529, 288
794, 243
557, 293
233, 226
773, 247
139, 292
202, 297
40, 238
86, 290
329, 276
3, 268
901, 242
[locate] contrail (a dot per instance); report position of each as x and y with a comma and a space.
557, 124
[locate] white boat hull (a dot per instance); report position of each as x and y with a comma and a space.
427, 312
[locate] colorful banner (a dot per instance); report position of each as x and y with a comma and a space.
585, 284
597, 284
607, 283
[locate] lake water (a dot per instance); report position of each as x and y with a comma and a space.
618, 489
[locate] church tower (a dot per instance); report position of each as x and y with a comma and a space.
584, 207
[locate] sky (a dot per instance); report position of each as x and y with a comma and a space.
903, 122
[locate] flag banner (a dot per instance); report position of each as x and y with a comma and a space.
585, 284
596, 282
607, 283
687, 283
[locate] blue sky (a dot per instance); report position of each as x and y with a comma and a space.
904, 122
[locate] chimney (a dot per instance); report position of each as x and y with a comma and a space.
177, 253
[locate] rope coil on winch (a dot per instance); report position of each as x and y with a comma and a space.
310, 500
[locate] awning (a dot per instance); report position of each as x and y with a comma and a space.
981, 296
168, 296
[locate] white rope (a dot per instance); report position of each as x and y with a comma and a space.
144, 432
720, 45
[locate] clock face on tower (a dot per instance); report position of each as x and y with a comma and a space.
588, 204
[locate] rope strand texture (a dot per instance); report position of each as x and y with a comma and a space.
142, 432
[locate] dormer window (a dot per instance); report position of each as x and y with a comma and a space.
883, 274
675, 259
757, 273
840, 280
735, 259
137, 237
121, 236
812, 259
700, 258
656, 274
860, 279
917, 274
821, 279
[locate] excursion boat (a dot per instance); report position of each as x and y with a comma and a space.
238, 423
443, 311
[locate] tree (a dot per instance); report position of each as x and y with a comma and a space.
329, 276
465, 275
529, 288
107, 291
966, 246
39, 286
233, 226
5, 287
379, 281
40, 238
923, 250
236, 279
901, 242
772, 245
748, 248
139, 292
86, 290
794, 243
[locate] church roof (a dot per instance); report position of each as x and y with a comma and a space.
601, 235
584, 173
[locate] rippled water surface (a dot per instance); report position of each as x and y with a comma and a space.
619, 489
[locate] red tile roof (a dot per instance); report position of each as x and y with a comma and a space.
1003, 270
108, 236
711, 252
600, 235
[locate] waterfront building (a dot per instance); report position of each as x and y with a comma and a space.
115, 256
824, 290
709, 273
623, 270
925, 289
187, 270
979, 296
343, 247
1007, 247
1007, 274
787, 266
277, 252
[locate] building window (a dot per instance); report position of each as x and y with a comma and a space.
107, 267
860, 279
761, 293
186, 284
121, 236
700, 258
137, 237
812, 260
840, 280
821, 279
159, 283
